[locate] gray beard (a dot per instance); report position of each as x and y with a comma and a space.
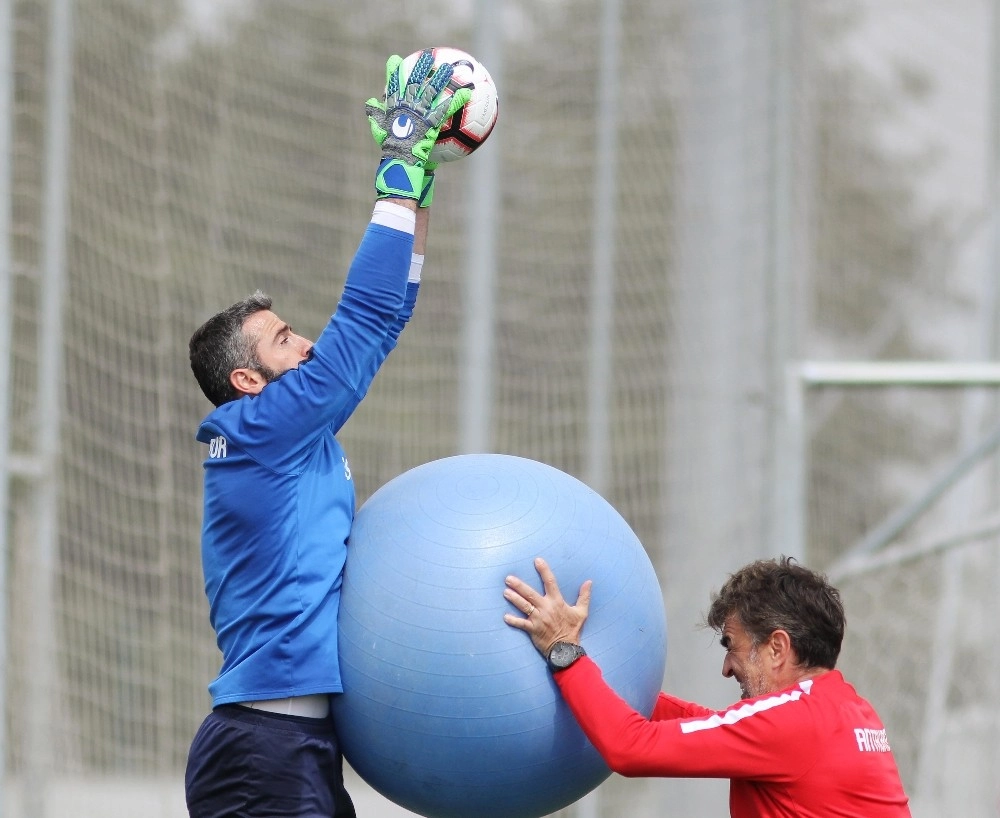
269, 375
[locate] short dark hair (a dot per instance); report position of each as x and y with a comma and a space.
220, 346
780, 594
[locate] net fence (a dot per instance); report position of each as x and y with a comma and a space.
792, 181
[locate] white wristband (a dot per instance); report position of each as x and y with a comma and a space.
390, 214
416, 265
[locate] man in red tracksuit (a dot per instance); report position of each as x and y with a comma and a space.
800, 743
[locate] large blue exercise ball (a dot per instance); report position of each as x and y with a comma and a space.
448, 711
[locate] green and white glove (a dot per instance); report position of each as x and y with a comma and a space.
407, 123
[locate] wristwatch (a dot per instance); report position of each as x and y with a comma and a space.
563, 654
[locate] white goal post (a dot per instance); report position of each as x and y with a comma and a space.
801, 376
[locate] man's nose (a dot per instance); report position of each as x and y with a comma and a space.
727, 668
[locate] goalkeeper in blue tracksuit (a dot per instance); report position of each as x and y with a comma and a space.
278, 495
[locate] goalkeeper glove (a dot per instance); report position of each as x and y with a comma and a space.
406, 125
427, 191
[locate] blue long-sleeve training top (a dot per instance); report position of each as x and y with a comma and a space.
278, 496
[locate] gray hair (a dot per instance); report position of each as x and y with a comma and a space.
219, 346
768, 595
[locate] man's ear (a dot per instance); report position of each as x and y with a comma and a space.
779, 648
247, 381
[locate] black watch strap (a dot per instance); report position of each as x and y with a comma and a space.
563, 654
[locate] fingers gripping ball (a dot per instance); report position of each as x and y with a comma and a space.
448, 711
408, 123
470, 126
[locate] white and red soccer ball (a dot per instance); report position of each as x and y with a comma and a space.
471, 125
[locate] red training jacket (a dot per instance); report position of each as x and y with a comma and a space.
814, 750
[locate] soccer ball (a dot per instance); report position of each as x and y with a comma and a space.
471, 125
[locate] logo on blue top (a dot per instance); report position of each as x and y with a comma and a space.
217, 447
402, 126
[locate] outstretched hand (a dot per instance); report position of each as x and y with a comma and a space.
548, 618
406, 122
428, 95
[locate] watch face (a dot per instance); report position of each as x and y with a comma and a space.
564, 654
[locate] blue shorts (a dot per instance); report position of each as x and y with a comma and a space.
251, 763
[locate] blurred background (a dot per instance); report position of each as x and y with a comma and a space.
733, 263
